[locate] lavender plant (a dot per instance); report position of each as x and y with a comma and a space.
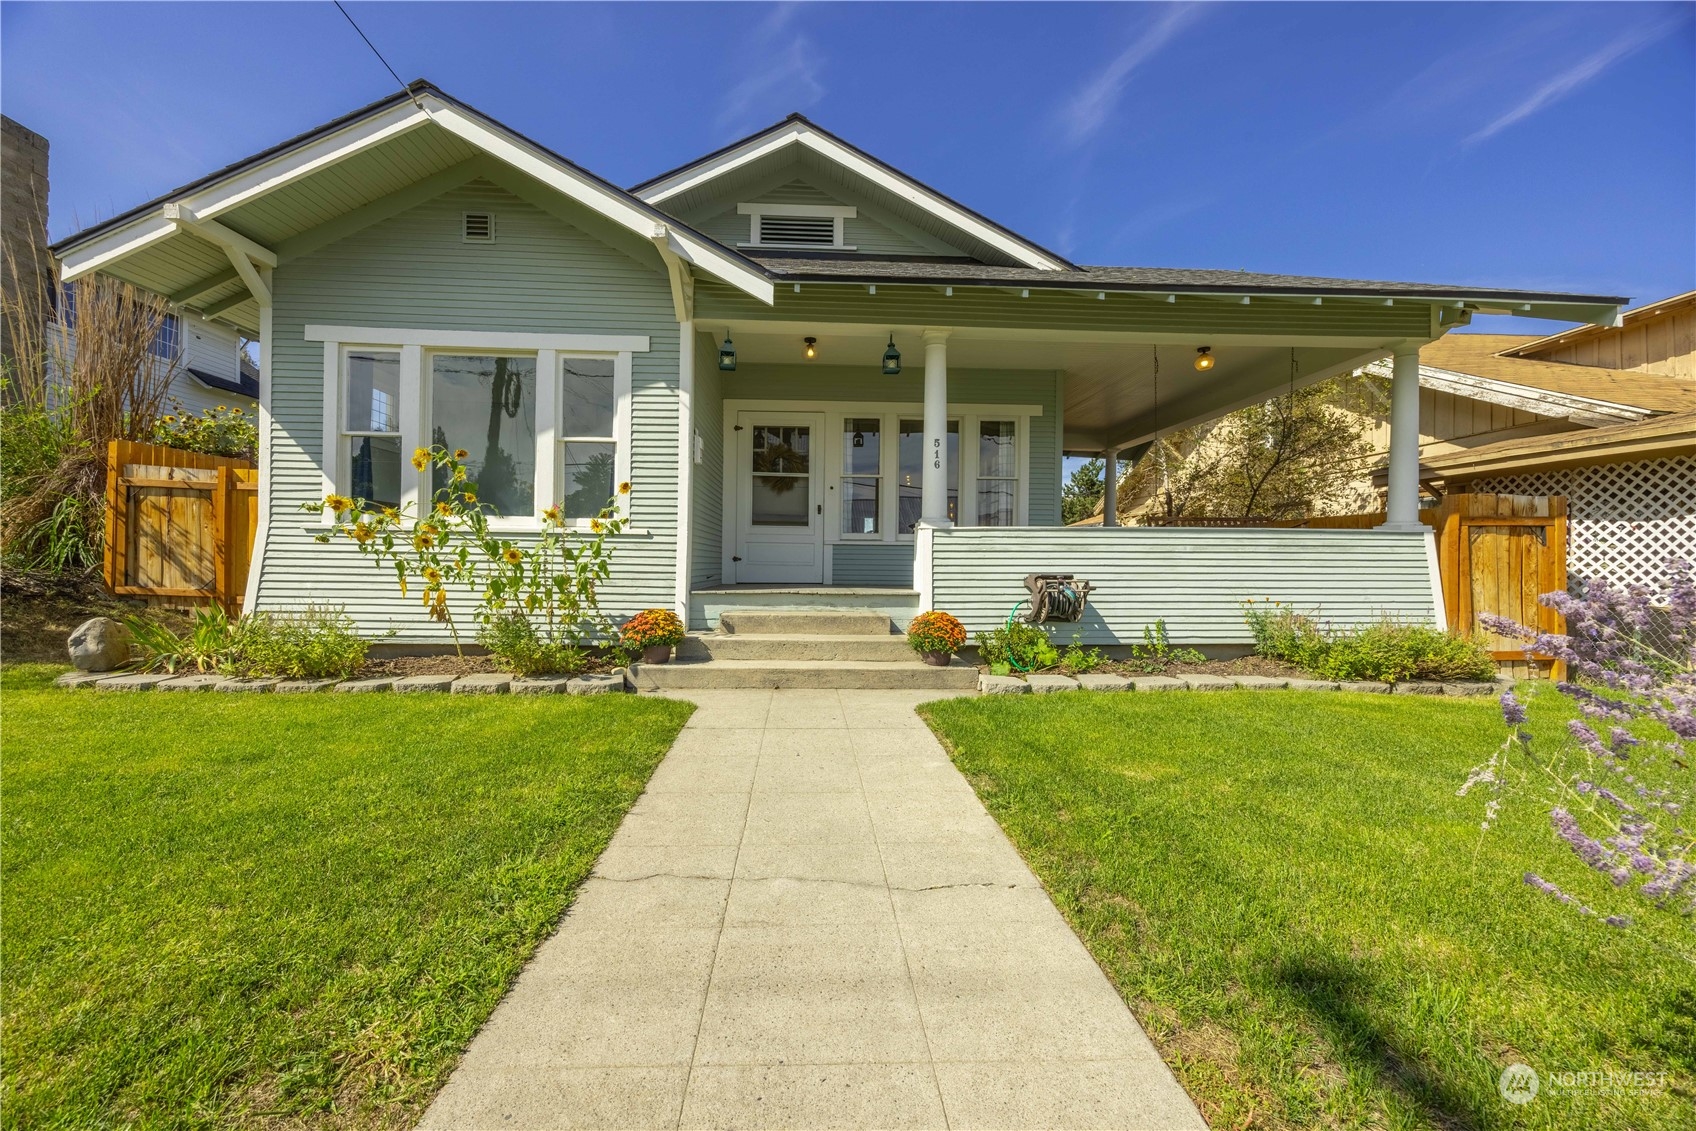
1619, 789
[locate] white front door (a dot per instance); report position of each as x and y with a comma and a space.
780, 497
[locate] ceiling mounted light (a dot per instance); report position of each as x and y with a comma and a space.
891, 359
1204, 358
727, 354
812, 347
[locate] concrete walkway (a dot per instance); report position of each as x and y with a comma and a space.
809, 920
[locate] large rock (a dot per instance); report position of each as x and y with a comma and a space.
99, 645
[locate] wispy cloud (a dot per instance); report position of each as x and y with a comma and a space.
1567, 81
787, 78
1088, 110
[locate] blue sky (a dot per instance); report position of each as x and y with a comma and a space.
1525, 145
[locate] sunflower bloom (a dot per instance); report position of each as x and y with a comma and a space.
596, 526
432, 575
461, 453
390, 512
552, 514
512, 555
338, 503
420, 459
624, 488
470, 498
444, 508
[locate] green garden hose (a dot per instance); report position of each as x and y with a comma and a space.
1010, 615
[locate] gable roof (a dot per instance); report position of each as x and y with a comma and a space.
419, 133
797, 134
1534, 346
1492, 356
1657, 437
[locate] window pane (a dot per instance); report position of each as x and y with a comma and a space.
862, 448
587, 396
995, 501
373, 392
909, 489
168, 342
997, 451
588, 478
780, 500
487, 405
782, 448
375, 465
859, 506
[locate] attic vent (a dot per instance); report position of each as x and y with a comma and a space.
479, 227
814, 231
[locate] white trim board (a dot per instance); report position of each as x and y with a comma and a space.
477, 339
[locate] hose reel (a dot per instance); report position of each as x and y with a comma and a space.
1056, 597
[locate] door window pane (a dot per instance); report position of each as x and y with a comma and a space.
588, 477
780, 500
862, 466
782, 448
587, 395
375, 465
487, 406
373, 392
910, 446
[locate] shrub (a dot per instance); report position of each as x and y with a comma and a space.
315, 643
1156, 653
651, 628
1017, 645
549, 583
220, 431
1389, 651
514, 643
936, 631
1076, 659
210, 645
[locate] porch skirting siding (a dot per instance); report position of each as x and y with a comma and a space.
872, 563
1194, 579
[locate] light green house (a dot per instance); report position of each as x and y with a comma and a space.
826, 381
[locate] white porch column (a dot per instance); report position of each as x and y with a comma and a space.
1402, 503
933, 486
1110, 497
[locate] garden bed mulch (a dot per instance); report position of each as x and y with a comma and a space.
449, 663
1242, 665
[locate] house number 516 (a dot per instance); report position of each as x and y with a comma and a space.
936, 452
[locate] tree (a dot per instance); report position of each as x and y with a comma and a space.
1288, 457
1081, 495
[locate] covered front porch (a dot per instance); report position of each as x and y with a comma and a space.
926, 464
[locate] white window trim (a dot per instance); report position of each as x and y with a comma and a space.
891, 413
413, 409
837, 212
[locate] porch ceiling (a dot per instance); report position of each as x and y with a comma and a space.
1110, 382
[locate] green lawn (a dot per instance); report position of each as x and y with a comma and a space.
226, 910
1290, 896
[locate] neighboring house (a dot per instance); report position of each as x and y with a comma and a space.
827, 381
1614, 432
211, 369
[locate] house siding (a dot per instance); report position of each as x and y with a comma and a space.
1195, 579
706, 566
867, 232
872, 563
542, 275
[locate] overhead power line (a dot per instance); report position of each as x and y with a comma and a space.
398, 80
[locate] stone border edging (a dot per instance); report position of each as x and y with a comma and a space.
481, 683
1042, 684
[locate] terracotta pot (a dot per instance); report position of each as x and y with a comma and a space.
936, 659
657, 654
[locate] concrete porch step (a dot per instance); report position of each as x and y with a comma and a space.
842, 675
805, 622
865, 648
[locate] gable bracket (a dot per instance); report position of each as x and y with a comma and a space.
245, 255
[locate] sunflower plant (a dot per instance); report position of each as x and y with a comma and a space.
537, 606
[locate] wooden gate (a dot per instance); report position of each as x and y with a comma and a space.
179, 525
1497, 554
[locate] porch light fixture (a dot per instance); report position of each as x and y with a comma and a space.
891, 359
812, 347
1204, 358
727, 354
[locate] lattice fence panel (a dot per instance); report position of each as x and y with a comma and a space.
1624, 520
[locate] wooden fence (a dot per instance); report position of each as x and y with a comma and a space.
1496, 553
179, 525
